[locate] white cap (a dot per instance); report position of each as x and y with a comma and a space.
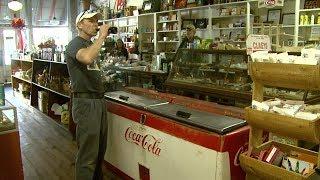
86, 15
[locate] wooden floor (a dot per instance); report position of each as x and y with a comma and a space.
48, 151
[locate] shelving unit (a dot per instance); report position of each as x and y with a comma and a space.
212, 12
126, 27
168, 28
147, 36
52, 84
286, 76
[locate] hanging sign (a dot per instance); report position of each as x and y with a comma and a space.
269, 3
258, 43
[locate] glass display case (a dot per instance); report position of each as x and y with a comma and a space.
222, 76
8, 118
214, 73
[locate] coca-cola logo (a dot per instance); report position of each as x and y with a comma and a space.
242, 149
147, 141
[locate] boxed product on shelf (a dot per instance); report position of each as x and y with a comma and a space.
297, 109
302, 162
308, 57
43, 101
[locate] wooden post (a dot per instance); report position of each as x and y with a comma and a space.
255, 138
86, 4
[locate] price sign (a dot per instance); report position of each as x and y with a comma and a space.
258, 43
269, 3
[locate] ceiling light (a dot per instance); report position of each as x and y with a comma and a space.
15, 5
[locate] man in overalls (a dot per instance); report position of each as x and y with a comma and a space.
88, 104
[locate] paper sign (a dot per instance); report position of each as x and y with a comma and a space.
315, 33
258, 43
269, 3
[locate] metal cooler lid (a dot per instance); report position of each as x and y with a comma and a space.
212, 122
132, 99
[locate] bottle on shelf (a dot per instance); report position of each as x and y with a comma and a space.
306, 20
318, 19
312, 20
301, 19
62, 53
2, 95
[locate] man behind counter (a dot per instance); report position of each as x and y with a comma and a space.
120, 49
190, 38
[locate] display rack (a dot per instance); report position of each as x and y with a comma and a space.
168, 26
126, 28
50, 84
285, 76
10, 151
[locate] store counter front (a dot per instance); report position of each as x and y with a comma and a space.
151, 138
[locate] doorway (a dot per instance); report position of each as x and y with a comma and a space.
9, 48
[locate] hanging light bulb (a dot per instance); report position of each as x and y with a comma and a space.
15, 5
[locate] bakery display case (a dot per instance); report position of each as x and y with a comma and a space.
213, 73
10, 152
8, 118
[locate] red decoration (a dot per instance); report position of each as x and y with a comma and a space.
121, 4
17, 23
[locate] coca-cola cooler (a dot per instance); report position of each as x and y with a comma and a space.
155, 139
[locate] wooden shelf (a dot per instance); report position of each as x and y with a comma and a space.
64, 95
230, 4
148, 32
55, 68
23, 60
168, 31
130, 25
267, 171
126, 33
309, 10
127, 17
168, 21
227, 28
231, 41
168, 41
284, 125
293, 76
309, 25
231, 52
27, 81
42, 60
288, 26
213, 5
169, 52
230, 16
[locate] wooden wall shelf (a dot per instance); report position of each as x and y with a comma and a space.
37, 65
304, 77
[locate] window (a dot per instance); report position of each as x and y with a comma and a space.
9, 37
49, 13
59, 34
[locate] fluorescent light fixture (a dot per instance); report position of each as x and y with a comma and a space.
15, 5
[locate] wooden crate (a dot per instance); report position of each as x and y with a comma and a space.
293, 76
257, 169
285, 125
